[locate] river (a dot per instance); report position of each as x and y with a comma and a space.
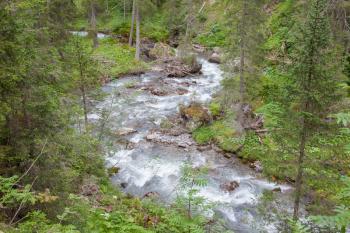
153, 167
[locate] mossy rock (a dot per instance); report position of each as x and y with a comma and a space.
161, 51
195, 112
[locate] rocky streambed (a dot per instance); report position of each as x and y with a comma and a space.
149, 159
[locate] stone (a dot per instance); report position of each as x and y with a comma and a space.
182, 91
124, 185
161, 51
151, 195
195, 112
204, 148
217, 149
89, 189
182, 141
178, 68
229, 186
277, 190
125, 131
198, 48
158, 92
257, 166
215, 58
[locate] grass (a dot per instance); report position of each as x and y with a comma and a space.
117, 58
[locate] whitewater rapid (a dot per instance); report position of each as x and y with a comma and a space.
151, 167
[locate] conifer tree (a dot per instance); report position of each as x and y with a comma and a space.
315, 73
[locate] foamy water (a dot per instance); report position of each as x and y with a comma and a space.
150, 167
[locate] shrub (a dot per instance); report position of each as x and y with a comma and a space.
215, 109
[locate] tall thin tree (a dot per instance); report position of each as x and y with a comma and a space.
138, 42
93, 23
316, 78
131, 34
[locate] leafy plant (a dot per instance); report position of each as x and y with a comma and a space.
341, 219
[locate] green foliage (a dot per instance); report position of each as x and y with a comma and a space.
11, 197
215, 109
155, 28
192, 179
273, 113
219, 132
37, 222
343, 118
280, 24
215, 37
298, 227
117, 58
203, 135
341, 219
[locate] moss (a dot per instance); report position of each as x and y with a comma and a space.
196, 112
219, 132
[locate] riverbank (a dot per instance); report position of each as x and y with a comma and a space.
148, 159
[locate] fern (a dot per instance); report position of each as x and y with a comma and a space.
343, 118
298, 227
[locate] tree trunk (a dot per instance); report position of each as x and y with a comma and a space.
93, 23
131, 34
83, 93
299, 178
242, 54
189, 23
138, 48
124, 10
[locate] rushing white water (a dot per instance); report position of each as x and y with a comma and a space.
84, 33
150, 167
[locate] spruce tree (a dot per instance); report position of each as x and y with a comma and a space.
316, 79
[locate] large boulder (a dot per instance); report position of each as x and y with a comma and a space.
215, 58
161, 51
195, 111
125, 131
179, 68
182, 141
194, 116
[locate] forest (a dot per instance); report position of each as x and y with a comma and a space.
174, 116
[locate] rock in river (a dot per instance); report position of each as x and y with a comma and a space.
215, 58
183, 140
229, 186
125, 131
